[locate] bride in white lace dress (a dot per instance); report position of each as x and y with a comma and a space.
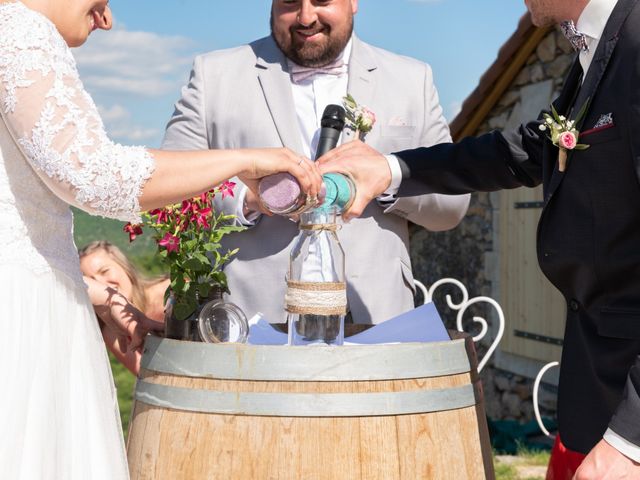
58, 410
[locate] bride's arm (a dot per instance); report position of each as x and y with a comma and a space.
57, 126
198, 171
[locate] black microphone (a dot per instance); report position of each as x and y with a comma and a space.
332, 124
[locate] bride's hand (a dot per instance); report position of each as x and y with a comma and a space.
268, 161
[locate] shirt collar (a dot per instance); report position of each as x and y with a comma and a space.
594, 17
345, 55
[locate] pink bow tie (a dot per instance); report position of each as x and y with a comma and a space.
300, 73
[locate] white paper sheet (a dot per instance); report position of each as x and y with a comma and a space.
422, 324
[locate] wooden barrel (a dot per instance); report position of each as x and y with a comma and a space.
408, 411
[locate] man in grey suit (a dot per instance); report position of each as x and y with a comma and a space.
272, 92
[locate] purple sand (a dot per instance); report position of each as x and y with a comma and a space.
279, 192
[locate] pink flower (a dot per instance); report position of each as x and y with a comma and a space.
187, 207
227, 189
171, 243
567, 140
132, 230
368, 119
162, 214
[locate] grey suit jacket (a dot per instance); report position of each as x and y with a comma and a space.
242, 97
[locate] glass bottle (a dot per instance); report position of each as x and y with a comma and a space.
281, 193
316, 299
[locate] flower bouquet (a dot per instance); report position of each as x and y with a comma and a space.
188, 236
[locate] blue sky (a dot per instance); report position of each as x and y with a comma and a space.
135, 71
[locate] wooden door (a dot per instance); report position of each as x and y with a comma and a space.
534, 309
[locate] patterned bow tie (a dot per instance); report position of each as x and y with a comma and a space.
577, 39
300, 73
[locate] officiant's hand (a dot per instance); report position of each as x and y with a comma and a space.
368, 167
606, 463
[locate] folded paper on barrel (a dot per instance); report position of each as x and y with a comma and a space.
422, 324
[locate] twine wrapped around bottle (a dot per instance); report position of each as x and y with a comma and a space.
316, 298
329, 227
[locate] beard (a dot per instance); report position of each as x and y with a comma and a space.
312, 55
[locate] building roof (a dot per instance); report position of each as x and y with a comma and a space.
496, 80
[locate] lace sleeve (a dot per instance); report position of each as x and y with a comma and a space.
57, 125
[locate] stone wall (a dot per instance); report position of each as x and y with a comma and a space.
467, 252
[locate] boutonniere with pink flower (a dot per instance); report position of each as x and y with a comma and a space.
188, 236
563, 133
358, 117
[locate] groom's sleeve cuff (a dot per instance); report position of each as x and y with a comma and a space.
623, 445
389, 195
252, 217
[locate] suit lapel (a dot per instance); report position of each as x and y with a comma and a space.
563, 104
275, 82
603, 53
591, 82
362, 79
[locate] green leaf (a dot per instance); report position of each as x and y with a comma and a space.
581, 146
197, 265
177, 283
211, 247
203, 290
191, 244
556, 116
203, 259
182, 311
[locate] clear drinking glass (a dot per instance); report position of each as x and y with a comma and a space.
222, 322
316, 294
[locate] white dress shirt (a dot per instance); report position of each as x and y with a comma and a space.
310, 97
591, 23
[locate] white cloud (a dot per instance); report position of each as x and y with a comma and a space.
119, 125
114, 113
139, 63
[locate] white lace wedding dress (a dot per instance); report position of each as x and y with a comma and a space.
58, 409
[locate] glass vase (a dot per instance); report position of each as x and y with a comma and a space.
316, 299
187, 329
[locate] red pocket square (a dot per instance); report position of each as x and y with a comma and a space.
596, 129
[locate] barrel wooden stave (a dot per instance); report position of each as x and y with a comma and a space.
165, 443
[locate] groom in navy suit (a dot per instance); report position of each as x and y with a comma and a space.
589, 230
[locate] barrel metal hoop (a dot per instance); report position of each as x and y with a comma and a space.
305, 404
286, 363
